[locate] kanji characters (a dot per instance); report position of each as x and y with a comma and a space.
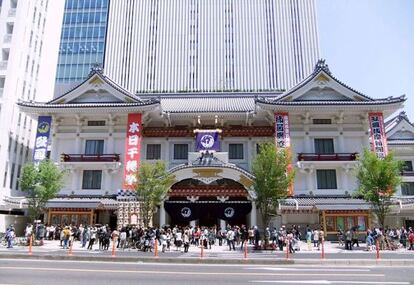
134, 128
131, 166
41, 142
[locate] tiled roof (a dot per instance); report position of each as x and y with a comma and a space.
87, 105
400, 142
321, 66
390, 100
393, 122
208, 104
83, 203
99, 72
327, 203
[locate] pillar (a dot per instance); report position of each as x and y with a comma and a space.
253, 215
162, 215
309, 179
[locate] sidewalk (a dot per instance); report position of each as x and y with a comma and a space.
334, 255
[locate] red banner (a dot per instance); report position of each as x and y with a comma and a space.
378, 137
282, 140
132, 151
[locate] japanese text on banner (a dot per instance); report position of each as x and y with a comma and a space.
132, 151
42, 138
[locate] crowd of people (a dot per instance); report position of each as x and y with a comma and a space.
177, 237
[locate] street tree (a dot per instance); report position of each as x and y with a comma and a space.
271, 178
378, 180
153, 184
41, 183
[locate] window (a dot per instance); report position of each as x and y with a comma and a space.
324, 146
408, 165
92, 179
236, 151
153, 151
96, 123
12, 176
94, 147
322, 121
407, 189
326, 178
181, 151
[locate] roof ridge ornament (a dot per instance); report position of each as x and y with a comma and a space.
321, 65
96, 68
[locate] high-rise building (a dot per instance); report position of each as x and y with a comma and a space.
190, 45
82, 39
29, 38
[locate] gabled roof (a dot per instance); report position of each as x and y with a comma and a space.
319, 82
399, 130
322, 74
96, 80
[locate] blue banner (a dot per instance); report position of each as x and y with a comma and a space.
42, 137
207, 141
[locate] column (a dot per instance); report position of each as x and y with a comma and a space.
54, 140
110, 146
253, 215
309, 179
345, 179
162, 215
74, 173
249, 153
107, 179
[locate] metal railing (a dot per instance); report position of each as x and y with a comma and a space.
64, 157
327, 157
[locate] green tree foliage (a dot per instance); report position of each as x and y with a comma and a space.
378, 180
271, 178
41, 184
153, 184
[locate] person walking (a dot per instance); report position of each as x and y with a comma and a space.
92, 239
348, 240
309, 239
66, 235
230, 239
316, 238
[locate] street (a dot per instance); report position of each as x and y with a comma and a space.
27, 272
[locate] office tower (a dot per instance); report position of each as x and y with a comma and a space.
82, 40
191, 45
28, 38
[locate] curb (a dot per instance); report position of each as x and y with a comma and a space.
209, 260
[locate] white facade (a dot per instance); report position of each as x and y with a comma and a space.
323, 113
29, 38
205, 45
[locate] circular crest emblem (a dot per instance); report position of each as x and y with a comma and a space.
207, 141
186, 212
43, 127
229, 212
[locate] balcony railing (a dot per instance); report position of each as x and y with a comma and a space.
89, 157
407, 173
327, 157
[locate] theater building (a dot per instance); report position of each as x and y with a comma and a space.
101, 133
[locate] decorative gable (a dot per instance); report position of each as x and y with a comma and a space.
400, 128
321, 85
96, 89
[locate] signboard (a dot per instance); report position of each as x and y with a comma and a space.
378, 138
282, 139
132, 150
42, 138
282, 131
207, 140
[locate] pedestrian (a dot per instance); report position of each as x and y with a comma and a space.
10, 235
411, 240
321, 238
348, 240
66, 235
186, 240
230, 239
316, 238
256, 234
123, 239
93, 238
309, 239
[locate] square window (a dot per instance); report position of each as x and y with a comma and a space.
236, 151
92, 179
94, 147
408, 165
407, 188
326, 178
324, 146
153, 151
180, 151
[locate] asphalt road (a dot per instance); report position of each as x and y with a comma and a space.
27, 272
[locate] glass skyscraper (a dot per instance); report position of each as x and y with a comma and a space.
83, 36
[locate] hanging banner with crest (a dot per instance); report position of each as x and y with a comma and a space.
207, 140
42, 138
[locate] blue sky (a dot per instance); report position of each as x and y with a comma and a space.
369, 45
